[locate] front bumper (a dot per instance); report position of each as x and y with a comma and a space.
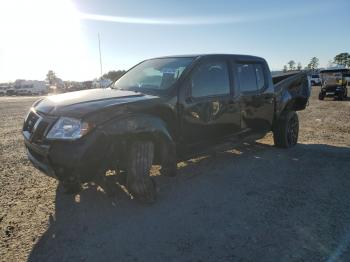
61, 159
42, 166
333, 91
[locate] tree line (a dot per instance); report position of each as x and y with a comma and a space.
114, 75
342, 59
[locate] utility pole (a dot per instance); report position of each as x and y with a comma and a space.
99, 49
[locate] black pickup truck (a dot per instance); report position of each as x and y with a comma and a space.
160, 110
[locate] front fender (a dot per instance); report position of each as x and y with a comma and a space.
122, 130
137, 124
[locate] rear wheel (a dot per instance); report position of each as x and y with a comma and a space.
139, 163
340, 96
286, 130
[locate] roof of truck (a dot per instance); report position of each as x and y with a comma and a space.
248, 57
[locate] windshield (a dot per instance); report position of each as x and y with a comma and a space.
155, 74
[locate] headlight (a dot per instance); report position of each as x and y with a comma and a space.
67, 128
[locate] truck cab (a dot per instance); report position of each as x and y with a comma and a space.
223, 95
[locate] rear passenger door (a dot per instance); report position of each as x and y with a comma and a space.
256, 96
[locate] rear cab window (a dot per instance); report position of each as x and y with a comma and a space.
251, 77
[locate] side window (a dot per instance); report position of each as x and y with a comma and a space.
246, 77
251, 77
210, 79
260, 79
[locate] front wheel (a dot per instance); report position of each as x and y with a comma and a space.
71, 185
139, 163
286, 130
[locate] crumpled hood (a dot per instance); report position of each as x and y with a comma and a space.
81, 103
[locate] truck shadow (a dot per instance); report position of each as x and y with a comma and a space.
251, 202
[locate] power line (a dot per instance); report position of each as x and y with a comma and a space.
99, 49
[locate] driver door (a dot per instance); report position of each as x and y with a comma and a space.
209, 108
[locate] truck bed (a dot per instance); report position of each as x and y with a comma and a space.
292, 91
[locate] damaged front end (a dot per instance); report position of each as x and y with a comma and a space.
105, 147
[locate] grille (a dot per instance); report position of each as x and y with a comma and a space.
36, 126
39, 132
30, 122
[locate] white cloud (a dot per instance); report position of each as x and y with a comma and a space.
198, 20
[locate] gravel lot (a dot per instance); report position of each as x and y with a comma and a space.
251, 202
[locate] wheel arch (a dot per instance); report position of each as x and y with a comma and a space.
296, 104
122, 131
292, 94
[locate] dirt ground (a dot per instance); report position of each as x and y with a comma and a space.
251, 202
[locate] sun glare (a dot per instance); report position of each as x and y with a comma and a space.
39, 35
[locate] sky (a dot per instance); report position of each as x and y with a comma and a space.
62, 35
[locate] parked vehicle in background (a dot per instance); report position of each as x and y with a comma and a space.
4, 87
315, 80
347, 78
161, 110
11, 92
30, 87
24, 91
334, 83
